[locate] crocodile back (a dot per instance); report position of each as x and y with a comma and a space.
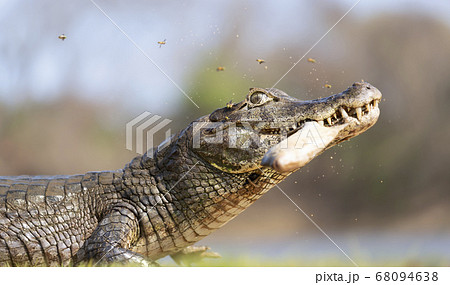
44, 220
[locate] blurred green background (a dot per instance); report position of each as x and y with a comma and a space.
383, 197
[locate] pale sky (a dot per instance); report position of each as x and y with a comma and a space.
98, 61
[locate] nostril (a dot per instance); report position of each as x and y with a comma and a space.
368, 87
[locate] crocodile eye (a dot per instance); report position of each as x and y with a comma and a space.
257, 98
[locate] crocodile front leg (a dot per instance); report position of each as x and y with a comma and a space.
110, 241
193, 254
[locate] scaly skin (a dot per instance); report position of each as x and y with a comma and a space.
159, 205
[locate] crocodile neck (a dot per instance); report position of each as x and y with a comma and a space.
183, 198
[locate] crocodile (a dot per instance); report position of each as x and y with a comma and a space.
164, 201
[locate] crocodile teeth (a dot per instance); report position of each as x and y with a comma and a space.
375, 104
335, 116
368, 107
359, 113
343, 113
329, 121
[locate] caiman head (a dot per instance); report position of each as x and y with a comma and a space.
271, 129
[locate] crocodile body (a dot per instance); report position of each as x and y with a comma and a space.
173, 196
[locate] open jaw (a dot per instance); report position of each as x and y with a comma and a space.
341, 116
308, 138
